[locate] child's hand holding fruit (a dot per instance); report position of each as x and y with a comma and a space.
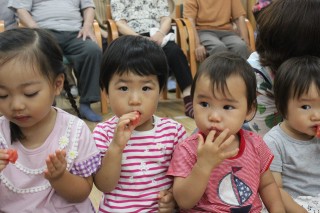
6, 156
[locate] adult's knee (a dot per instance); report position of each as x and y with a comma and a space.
91, 49
216, 49
172, 50
242, 49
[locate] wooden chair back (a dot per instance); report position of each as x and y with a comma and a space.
191, 37
1, 26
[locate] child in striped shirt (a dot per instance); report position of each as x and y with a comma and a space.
135, 144
224, 168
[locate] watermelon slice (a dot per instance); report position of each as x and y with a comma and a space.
318, 132
13, 155
137, 120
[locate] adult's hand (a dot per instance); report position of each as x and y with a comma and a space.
201, 53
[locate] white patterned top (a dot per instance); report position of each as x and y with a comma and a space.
142, 15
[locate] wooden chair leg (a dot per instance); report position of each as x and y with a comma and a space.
178, 92
165, 93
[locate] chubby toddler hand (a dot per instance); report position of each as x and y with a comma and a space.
126, 124
56, 165
4, 159
166, 201
214, 149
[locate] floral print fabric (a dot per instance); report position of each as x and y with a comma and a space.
141, 16
267, 115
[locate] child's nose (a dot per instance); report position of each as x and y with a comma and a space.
134, 98
316, 115
17, 104
215, 116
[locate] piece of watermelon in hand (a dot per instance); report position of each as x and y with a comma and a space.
318, 132
137, 120
13, 155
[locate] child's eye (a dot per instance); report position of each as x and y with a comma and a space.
204, 104
306, 107
228, 107
146, 88
3, 96
123, 88
31, 94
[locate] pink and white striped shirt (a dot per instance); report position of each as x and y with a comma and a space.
145, 161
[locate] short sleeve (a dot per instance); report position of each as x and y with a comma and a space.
163, 8
184, 158
277, 163
237, 9
88, 160
255, 150
102, 138
266, 156
190, 9
181, 133
118, 10
86, 4
19, 4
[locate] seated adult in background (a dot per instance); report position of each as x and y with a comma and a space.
213, 26
287, 28
70, 22
152, 19
7, 15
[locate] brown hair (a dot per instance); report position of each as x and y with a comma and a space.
288, 28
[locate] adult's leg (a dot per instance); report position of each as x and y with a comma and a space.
235, 44
211, 41
86, 58
178, 64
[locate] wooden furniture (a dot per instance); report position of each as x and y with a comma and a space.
1, 26
179, 14
188, 38
191, 37
103, 95
248, 4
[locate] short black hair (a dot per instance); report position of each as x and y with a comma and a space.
220, 66
135, 54
293, 79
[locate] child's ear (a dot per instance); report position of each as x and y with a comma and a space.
251, 112
58, 84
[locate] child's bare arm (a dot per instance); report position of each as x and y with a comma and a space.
188, 191
71, 187
270, 193
106, 179
3, 159
289, 204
